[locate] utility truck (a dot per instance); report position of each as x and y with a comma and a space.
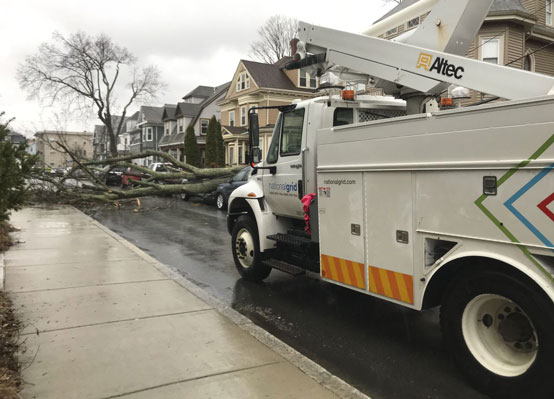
414, 203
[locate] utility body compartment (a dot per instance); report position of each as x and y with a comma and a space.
399, 198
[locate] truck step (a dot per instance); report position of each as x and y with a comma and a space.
299, 233
290, 239
284, 267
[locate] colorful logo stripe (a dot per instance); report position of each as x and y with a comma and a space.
344, 271
510, 205
543, 206
480, 203
391, 284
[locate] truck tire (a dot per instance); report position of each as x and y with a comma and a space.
246, 250
499, 330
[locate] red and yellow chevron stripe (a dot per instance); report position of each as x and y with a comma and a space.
391, 284
344, 271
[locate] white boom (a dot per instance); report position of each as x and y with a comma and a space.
419, 68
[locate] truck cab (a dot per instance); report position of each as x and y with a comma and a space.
289, 169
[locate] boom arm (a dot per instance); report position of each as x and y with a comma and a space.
415, 67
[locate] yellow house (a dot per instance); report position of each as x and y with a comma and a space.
257, 84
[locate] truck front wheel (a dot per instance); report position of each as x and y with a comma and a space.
246, 250
499, 330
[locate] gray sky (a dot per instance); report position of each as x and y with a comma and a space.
192, 42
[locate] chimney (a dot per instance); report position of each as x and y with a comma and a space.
293, 46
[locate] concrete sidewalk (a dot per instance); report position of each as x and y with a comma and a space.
102, 319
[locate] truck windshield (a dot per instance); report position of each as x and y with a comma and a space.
273, 152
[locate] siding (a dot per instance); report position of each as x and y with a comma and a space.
544, 59
514, 46
531, 5
232, 93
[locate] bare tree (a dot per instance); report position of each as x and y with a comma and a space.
274, 39
88, 72
393, 1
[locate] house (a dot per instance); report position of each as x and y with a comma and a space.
516, 33
101, 141
148, 133
16, 138
258, 84
196, 110
51, 156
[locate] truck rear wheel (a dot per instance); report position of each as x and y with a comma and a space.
246, 250
499, 331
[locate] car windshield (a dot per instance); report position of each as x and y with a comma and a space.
242, 175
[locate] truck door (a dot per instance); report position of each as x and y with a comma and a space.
283, 190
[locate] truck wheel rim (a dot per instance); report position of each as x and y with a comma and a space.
499, 335
244, 248
220, 201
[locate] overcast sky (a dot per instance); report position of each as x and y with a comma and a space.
193, 43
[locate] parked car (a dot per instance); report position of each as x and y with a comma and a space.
130, 176
160, 167
113, 177
224, 190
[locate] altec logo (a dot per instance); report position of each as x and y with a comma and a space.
440, 65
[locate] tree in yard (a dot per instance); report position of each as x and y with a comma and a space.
393, 1
15, 165
211, 143
220, 146
274, 39
192, 152
88, 73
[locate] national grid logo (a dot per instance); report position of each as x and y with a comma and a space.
283, 187
440, 65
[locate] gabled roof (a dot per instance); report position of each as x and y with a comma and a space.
151, 114
133, 117
169, 112
270, 76
235, 129
200, 92
400, 7
497, 5
219, 91
508, 5
187, 109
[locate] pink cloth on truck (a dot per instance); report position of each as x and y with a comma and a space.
306, 201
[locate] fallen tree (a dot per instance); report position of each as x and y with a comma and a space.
86, 180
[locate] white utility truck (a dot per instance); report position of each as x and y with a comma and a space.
417, 204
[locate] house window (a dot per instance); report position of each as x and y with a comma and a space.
529, 63
490, 50
231, 118
391, 32
549, 12
204, 126
180, 122
167, 131
243, 82
306, 80
242, 116
240, 154
148, 134
413, 22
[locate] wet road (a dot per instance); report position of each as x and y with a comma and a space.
384, 350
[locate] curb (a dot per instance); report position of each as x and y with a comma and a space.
2, 265
323, 377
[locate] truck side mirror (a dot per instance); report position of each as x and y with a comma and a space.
254, 137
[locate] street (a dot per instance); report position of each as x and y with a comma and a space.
382, 349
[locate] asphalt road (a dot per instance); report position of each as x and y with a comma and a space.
384, 350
